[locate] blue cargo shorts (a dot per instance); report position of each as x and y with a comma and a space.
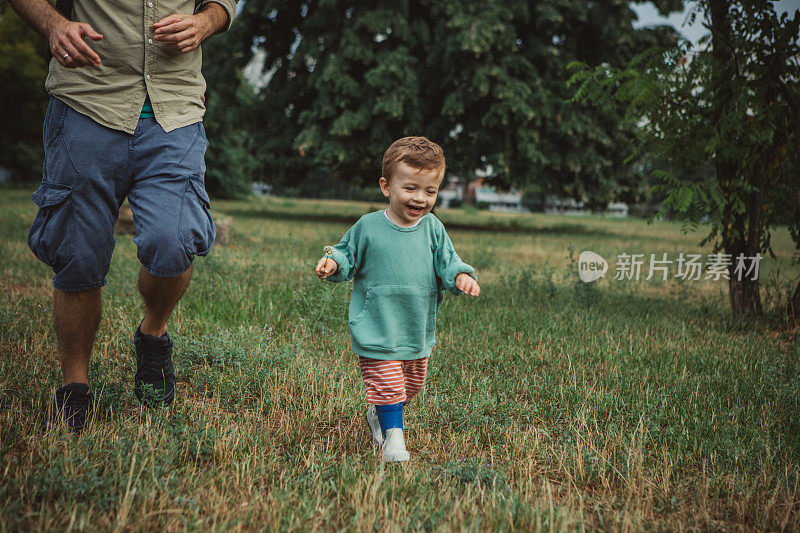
88, 171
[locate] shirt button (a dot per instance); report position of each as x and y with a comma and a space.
149, 41
148, 76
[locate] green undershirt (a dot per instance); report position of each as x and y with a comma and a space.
147, 109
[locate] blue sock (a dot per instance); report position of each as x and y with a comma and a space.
390, 416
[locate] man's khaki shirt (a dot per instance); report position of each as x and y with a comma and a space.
133, 65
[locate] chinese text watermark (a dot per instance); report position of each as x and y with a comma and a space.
632, 267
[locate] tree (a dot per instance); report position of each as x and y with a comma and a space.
724, 119
230, 157
23, 68
486, 79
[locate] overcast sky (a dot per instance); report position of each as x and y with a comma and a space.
649, 16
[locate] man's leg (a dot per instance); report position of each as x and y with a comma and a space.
77, 317
154, 382
160, 296
173, 225
84, 179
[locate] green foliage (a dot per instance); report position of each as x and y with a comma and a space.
23, 68
230, 159
722, 119
485, 79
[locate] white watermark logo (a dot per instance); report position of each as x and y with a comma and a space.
592, 266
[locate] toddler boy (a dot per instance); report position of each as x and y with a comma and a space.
401, 259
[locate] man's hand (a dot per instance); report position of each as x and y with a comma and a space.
467, 284
326, 267
65, 37
183, 33
67, 44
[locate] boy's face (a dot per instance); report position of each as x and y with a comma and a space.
411, 192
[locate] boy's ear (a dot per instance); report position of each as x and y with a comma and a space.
384, 185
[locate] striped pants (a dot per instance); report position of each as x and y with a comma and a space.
390, 382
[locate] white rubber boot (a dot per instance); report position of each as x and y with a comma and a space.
394, 446
374, 426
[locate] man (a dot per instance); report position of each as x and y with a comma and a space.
124, 119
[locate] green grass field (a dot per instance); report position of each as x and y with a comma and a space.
551, 403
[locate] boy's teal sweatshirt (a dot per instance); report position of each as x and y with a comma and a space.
399, 274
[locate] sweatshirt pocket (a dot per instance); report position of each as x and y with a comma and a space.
395, 316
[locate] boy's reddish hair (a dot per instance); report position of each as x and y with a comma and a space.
417, 152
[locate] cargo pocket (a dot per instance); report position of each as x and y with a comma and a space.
395, 316
196, 227
52, 234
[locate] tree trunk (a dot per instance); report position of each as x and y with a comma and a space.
793, 309
794, 304
744, 286
745, 298
741, 232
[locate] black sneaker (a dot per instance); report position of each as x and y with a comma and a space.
154, 383
72, 406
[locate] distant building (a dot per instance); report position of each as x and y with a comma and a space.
569, 206
555, 205
499, 201
261, 189
452, 195
617, 209
460, 191
481, 194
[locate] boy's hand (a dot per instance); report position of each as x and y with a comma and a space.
467, 284
326, 267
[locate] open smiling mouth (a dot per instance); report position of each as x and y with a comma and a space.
414, 210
